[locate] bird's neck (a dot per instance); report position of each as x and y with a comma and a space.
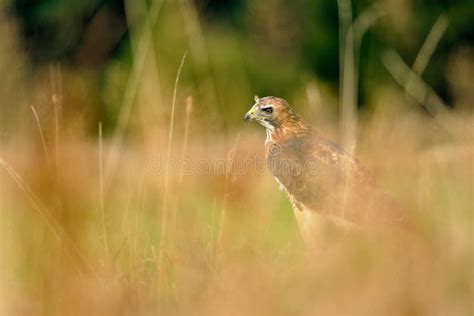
289, 130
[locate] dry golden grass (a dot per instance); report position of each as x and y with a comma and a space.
57, 261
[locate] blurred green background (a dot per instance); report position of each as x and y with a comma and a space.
237, 48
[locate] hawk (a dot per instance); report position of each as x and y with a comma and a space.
324, 182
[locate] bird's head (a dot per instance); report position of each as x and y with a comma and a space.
268, 111
276, 115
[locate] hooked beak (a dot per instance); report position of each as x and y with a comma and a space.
250, 115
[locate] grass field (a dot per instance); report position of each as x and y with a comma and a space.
169, 212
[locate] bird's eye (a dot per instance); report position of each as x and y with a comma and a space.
268, 110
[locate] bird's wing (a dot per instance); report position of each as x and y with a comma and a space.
341, 162
304, 169
322, 176
367, 202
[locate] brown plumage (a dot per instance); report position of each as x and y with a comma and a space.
322, 180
